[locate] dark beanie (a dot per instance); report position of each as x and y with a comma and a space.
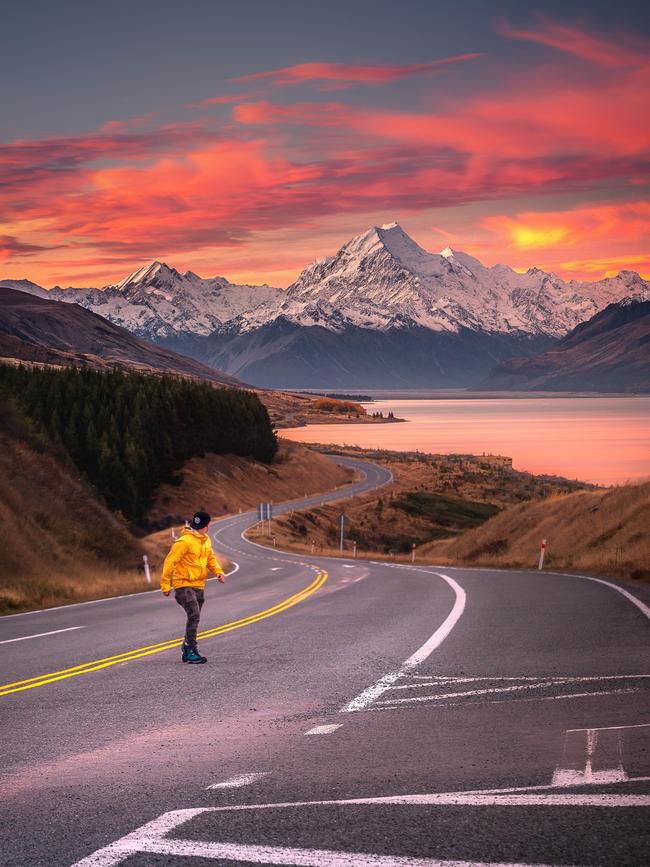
200, 520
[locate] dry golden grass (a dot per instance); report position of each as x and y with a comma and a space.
380, 525
590, 531
224, 484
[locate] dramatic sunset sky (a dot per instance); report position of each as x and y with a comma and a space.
248, 138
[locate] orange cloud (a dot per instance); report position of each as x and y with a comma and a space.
533, 230
125, 193
586, 46
348, 73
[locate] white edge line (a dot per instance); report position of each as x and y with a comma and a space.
103, 599
643, 608
435, 640
41, 634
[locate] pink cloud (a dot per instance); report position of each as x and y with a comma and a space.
348, 73
571, 40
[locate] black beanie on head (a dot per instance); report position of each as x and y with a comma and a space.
200, 520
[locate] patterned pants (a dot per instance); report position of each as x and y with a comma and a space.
192, 601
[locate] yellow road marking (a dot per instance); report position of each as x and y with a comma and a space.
136, 653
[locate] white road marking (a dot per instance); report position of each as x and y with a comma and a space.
612, 728
151, 839
426, 680
239, 781
394, 706
348, 566
324, 730
519, 687
386, 682
275, 568
41, 634
643, 608
104, 598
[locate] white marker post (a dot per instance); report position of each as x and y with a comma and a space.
541, 554
413, 553
147, 571
354, 550
342, 520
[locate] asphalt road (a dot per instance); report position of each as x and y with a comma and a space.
351, 713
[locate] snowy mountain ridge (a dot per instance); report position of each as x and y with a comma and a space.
379, 280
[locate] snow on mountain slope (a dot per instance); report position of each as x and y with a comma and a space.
379, 280
157, 301
383, 279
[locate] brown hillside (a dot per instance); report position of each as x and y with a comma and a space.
224, 484
593, 531
61, 544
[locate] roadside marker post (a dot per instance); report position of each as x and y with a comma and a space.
342, 524
147, 571
354, 550
541, 554
265, 513
413, 553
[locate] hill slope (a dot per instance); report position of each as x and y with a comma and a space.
593, 531
610, 352
39, 329
61, 543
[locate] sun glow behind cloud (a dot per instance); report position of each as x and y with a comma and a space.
261, 181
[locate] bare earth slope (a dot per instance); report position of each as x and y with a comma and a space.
37, 329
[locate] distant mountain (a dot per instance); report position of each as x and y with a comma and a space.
381, 312
37, 329
158, 301
609, 353
383, 279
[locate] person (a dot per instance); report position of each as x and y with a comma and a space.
186, 570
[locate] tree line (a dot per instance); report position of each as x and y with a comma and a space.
129, 432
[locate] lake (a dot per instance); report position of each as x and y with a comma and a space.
605, 440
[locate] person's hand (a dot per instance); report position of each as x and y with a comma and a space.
221, 579
166, 592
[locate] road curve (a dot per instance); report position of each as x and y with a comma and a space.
351, 713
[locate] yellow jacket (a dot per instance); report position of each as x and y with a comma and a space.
188, 562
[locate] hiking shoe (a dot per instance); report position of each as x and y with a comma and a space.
194, 657
186, 648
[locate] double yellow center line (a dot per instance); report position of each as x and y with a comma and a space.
96, 664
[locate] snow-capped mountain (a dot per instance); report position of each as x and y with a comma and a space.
158, 301
381, 312
383, 279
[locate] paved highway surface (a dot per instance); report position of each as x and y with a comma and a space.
351, 713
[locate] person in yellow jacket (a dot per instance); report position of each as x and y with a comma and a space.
186, 570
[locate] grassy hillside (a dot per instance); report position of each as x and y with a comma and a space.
592, 531
431, 497
60, 543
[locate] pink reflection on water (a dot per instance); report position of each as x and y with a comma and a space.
597, 439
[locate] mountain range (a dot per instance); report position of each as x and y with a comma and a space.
382, 311
610, 352
39, 329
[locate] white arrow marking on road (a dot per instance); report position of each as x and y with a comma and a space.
41, 634
238, 782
